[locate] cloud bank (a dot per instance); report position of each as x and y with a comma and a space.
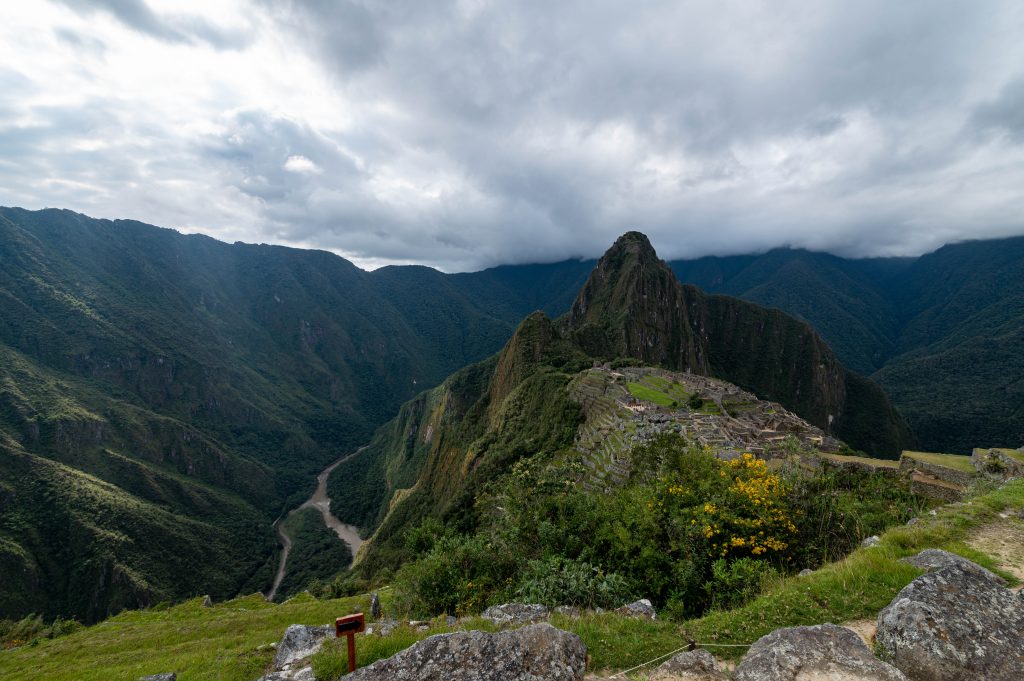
469, 133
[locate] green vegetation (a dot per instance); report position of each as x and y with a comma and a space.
689, 531
229, 642
861, 584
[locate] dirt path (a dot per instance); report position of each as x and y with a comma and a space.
321, 502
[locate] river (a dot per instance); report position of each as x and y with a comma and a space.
320, 501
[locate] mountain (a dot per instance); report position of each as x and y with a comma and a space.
164, 397
446, 444
942, 334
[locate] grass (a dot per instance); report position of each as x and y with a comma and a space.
954, 461
649, 394
221, 643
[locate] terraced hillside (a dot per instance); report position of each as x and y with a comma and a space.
631, 405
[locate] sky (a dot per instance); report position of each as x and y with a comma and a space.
466, 134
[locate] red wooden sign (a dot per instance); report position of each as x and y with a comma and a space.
349, 626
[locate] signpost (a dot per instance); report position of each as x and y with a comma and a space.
349, 626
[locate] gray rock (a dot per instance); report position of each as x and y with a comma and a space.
375, 611
805, 572
207, 601
515, 613
936, 559
538, 652
641, 608
299, 642
168, 676
871, 541
819, 653
303, 674
953, 624
692, 665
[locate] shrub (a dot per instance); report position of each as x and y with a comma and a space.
735, 582
562, 581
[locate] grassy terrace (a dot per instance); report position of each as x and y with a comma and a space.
223, 642
1013, 454
955, 461
880, 463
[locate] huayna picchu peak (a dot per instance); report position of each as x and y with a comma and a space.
632, 305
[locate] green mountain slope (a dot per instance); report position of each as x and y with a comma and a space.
201, 386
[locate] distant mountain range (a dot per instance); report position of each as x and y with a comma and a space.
163, 398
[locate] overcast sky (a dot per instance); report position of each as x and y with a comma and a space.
473, 133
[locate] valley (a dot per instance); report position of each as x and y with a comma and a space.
322, 503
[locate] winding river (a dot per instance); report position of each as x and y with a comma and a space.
321, 502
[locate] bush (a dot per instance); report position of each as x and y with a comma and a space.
562, 581
457, 577
735, 582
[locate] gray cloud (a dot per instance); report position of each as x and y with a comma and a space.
137, 15
470, 133
1005, 113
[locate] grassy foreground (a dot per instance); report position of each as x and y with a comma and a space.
228, 642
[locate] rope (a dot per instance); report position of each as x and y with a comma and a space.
692, 645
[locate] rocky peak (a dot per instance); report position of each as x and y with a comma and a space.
632, 306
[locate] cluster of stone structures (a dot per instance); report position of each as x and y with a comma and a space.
728, 420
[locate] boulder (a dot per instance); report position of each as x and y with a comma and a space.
824, 652
168, 676
538, 652
871, 541
692, 665
375, 611
641, 608
936, 559
515, 613
299, 642
952, 624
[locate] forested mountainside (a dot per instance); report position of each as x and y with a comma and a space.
943, 334
435, 458
164, 397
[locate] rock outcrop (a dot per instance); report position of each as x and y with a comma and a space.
534, 653
692, 665
937, 559
515, 613
299, 643
824, 652
953, 624
642, 608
